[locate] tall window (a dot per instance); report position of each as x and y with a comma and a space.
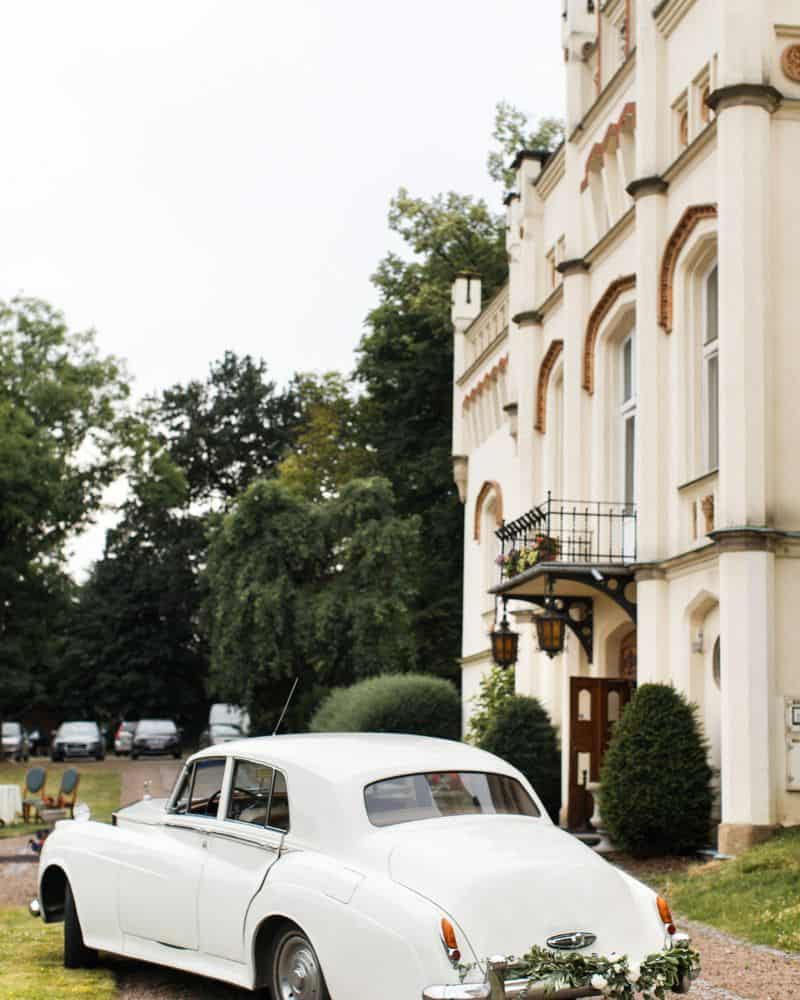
711, 369
627, 415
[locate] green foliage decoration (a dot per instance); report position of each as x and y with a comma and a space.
393, 703
613, 975
655, 795
520, 731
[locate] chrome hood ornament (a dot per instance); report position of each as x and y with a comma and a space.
572, 941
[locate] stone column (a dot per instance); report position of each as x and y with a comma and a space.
652, 488
744, 104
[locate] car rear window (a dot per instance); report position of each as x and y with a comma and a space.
70, 729
432, 795
155, 727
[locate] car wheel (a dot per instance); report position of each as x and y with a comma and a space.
295, 972
134, 756
76, 954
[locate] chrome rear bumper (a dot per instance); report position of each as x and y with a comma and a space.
499, 989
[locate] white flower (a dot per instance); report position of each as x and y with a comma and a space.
634, 971
614, 957
598, 982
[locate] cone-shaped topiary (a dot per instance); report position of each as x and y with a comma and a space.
655, 795
392, 703
520, 731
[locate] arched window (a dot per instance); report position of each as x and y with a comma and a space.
627, 417
711, 368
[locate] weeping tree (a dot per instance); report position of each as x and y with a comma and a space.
316, 589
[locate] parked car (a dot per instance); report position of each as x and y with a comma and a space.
123, 738
217, 734
343, 866
221, 714
77, 739
38, 742
15, 744
156, 736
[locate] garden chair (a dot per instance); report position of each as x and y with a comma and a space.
33, 797
67, 793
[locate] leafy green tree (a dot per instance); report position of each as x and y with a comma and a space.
316, 590
326, 450
655, 794
134, 646
513, 132
405, 366
228, 430
62, 442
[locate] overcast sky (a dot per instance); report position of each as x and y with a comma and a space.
189, 176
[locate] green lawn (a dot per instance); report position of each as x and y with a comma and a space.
99, 789
31, 957
756, 896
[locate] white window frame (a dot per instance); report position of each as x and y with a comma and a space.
710, 353
627, 414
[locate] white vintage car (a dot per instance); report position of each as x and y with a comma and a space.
343, 866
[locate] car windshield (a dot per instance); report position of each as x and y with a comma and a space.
155, 727
71, 729
222, 730
11, 729
445, 793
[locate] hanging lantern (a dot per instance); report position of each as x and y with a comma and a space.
551, 626
505, 643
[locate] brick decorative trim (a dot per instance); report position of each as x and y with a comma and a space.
687, 223
546, 367
599, 313
490, 486
625, 123
491, 376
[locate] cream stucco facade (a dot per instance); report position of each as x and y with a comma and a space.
643, 357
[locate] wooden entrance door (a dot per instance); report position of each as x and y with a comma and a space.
596, 703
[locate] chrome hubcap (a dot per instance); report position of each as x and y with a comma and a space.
298, 974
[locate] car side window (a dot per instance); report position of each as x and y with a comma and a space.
279, 804
250, 792
206, 787
180, 799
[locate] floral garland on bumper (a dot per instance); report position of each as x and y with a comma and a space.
613, 975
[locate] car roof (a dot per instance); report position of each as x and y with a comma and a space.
343, 757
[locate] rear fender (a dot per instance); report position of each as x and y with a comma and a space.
365, 930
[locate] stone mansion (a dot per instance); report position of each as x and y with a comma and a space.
626, 422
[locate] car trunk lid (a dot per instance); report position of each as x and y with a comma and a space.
513, 882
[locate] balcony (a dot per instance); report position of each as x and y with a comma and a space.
578, 533
571, 550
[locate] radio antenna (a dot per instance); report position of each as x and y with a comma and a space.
285, 707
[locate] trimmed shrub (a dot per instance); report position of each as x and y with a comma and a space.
392, 703
655, 795
520, 731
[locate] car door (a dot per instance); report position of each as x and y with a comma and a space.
161, 867
244, 844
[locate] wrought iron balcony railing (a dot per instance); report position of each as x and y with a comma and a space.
567, 531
